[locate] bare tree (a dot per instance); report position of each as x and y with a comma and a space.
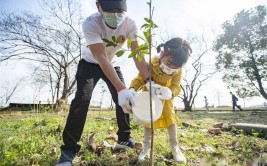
197, 71
54, 42
9, 90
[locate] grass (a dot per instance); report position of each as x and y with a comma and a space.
28, 138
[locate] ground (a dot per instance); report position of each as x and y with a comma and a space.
30, 138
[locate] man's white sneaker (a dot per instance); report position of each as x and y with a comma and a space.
178, 156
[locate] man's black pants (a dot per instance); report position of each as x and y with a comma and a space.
87, 77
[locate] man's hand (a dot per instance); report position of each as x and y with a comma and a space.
126, 100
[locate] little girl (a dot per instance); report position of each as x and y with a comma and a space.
166, 77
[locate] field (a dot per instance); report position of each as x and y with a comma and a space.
30, 138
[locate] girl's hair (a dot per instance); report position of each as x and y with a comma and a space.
178, 49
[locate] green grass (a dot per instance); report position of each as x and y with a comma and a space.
27, 138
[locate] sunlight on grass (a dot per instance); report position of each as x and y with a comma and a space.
28, 138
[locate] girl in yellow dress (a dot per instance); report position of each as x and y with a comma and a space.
166, 77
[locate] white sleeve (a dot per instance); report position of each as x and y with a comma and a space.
91, 32
132, 31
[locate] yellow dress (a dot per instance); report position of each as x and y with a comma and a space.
168, 116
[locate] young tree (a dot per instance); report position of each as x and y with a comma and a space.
242, 50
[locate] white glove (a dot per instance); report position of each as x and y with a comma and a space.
126, 101
133, 91
163, 93
152, 87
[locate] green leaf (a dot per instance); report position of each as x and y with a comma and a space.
114, 39
133, 54
129, 42
142, 47
109, 43
146, 26
140, 37
106, 40
144, 51
147, 35
118, 40
139, 58
147, 20
120, 53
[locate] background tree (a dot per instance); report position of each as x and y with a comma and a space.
197, 70
242, 52
53, 42
244, 93
9, 89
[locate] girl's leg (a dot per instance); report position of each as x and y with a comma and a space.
146, 144
176, 152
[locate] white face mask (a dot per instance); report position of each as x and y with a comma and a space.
166, 69
113, 19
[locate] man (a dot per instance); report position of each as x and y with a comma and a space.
98, 61
234, 101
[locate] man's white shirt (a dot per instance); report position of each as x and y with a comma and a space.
95, 29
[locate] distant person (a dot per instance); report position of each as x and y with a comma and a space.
206, 104
234, 101
166, 73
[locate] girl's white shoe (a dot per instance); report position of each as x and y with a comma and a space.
178, 156
144, 153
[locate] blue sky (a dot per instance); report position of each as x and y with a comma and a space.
177, 17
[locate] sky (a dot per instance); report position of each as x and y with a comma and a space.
174, 17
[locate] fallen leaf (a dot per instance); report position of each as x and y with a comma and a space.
113, 136
99, 150
110, 128
91, 146
183, 134
185, 124
217, 154
102, 118
106, 144
91, 139
53, 151
138, 145
207, 148
122, 156
215, 131
204, 130
235, 145
218, 125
